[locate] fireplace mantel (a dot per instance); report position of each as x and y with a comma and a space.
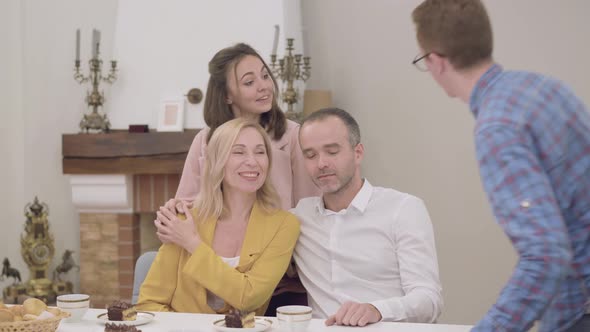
120, 152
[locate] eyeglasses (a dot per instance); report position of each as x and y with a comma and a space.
421, 65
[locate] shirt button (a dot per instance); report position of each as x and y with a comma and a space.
525, 204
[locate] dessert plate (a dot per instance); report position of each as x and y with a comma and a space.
143, 317
262, 324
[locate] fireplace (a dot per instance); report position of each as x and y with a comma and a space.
118, 181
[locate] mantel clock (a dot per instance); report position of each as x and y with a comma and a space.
37, 249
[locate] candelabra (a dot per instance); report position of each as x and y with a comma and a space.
95, 99
291, 68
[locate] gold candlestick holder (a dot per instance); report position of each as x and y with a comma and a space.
290, 68
95, 98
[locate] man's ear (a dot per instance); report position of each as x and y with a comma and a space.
359, 151
438, 64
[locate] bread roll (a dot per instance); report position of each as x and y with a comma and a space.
34, 306
6, 316
17, 310
29, 317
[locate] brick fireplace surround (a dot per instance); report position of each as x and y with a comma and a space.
115, 177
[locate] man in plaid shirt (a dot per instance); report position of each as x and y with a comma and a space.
532, 139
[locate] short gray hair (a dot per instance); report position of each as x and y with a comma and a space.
354, 132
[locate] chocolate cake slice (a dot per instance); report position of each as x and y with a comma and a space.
239, 318
119, 311
119, 328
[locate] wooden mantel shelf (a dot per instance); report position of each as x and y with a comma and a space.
121, 152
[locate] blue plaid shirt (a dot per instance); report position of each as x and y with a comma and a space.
532, 139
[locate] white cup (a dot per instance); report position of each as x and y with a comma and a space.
75, 304
294, 318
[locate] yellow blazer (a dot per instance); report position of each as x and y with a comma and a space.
178, 280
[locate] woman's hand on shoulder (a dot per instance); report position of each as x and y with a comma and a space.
171, 229
175, 205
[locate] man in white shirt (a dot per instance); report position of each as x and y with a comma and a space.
365, 253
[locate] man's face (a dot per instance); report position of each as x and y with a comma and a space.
329, 159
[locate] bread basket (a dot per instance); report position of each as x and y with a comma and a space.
39, 325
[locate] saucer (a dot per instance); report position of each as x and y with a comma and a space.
262, 324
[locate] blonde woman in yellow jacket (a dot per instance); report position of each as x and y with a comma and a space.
234, 246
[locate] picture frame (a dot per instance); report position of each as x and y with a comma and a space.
171, 115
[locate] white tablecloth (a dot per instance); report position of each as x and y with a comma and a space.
180, 322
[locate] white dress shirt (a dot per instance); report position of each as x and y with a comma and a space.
380, 250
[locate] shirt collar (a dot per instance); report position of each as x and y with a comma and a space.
486, 80
359, 202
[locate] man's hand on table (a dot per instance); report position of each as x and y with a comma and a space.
355, 314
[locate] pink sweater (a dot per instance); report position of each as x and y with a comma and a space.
288, 174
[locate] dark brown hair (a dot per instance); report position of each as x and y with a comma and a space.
459, 30
216, 111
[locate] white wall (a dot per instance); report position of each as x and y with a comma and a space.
163, 50
419, 141
11, 130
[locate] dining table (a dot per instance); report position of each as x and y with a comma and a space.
94, 321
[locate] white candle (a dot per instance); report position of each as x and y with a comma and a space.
97, 42
94, 43
275, 43
78, 45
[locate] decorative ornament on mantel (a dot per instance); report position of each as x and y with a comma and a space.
95, 99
